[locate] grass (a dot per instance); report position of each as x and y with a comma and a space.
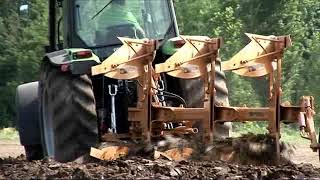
289, 133
292, 135
9, 134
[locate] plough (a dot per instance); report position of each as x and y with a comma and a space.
153, 119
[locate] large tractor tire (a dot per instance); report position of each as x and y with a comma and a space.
68, 113
194, 97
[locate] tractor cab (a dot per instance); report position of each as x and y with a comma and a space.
96, 24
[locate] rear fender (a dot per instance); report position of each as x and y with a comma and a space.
66, 59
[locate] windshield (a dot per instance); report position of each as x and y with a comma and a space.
99, 22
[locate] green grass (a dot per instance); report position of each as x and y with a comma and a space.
9, 134
289, 133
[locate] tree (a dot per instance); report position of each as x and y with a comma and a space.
22, 37
218, 18
231, 18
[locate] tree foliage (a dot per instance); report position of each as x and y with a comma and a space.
230, 19
22, 37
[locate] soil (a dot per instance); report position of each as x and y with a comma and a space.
16, 167
10, 148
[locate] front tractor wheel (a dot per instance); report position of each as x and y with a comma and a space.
67, 113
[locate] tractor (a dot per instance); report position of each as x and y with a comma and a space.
69, 110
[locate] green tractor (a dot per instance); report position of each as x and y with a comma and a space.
67, 110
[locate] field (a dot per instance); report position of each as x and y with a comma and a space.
306, 165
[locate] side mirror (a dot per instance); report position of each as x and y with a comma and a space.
24, 9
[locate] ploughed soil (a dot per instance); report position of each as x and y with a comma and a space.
143, 168
139, 168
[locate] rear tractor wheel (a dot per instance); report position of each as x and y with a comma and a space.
194, 97
68, 118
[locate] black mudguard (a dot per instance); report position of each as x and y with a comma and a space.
27, 106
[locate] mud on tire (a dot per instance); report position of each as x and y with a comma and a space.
68, 114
